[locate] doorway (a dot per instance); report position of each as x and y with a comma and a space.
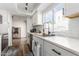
16, 31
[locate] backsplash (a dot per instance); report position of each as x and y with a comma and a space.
74, 27
39, 28
73, 31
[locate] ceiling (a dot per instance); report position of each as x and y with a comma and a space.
19, 8
30, 7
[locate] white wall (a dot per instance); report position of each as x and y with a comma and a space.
9, 29
6, 26
19, 21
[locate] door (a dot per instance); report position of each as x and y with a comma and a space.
34, 47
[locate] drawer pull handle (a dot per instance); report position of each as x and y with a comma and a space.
56, 52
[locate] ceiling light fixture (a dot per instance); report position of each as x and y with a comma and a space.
25, 8
26, 4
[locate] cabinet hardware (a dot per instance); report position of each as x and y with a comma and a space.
56, 52
35, 44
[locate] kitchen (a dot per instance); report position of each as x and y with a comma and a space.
50, 29
59, 38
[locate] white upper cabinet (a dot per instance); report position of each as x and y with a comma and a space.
37, 18
71, 10
34, 18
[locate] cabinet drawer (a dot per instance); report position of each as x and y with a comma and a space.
52, 49
48, 54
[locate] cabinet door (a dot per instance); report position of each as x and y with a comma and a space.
34, 19
41, 45
48, 54
37, 18
48, 50
55, 50
71, 8
39, 42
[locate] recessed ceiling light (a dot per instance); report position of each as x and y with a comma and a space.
26, 4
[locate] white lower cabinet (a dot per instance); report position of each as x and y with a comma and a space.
41, 46
47, 53
38, 43
52, 50
48, 49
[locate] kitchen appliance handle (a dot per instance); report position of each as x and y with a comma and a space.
56, 52
36, 43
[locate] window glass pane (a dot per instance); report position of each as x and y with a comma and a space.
61, 23
49, 16
50, 27
46, 25
44, 17
46, 31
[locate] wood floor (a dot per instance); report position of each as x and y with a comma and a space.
22, 45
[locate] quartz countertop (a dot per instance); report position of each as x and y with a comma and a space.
66, 43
